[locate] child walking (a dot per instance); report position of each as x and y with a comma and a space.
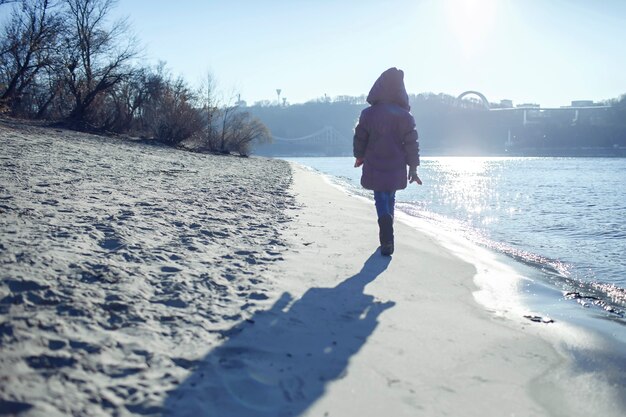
385, 143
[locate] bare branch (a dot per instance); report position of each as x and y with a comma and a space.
97, 58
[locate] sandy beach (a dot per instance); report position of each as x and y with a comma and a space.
141, 280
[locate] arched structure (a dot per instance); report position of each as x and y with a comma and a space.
482, 97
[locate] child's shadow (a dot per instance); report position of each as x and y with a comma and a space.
279, 362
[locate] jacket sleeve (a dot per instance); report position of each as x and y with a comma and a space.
412, 148
361, 138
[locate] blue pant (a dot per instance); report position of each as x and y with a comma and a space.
385, 202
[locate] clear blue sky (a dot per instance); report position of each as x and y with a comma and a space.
542, 51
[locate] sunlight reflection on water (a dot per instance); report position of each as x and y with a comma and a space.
564, 216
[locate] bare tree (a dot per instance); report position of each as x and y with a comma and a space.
167, 111
227, 114
178, 119
28, 45
97, 57
124, 103
208, 105
242, 130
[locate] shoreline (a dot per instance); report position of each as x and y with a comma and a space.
539, 296
522, 272
498, 335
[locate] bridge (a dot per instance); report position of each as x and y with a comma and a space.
327, 141
530, 114
324, 142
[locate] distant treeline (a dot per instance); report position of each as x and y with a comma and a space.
449, 126
62, 61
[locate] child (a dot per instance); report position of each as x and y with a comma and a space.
385, 143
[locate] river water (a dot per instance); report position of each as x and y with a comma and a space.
561, 221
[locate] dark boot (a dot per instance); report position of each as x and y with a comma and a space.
385, 225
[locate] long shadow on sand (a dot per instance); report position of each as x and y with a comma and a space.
278, 363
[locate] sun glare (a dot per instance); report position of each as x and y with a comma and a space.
471, 21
